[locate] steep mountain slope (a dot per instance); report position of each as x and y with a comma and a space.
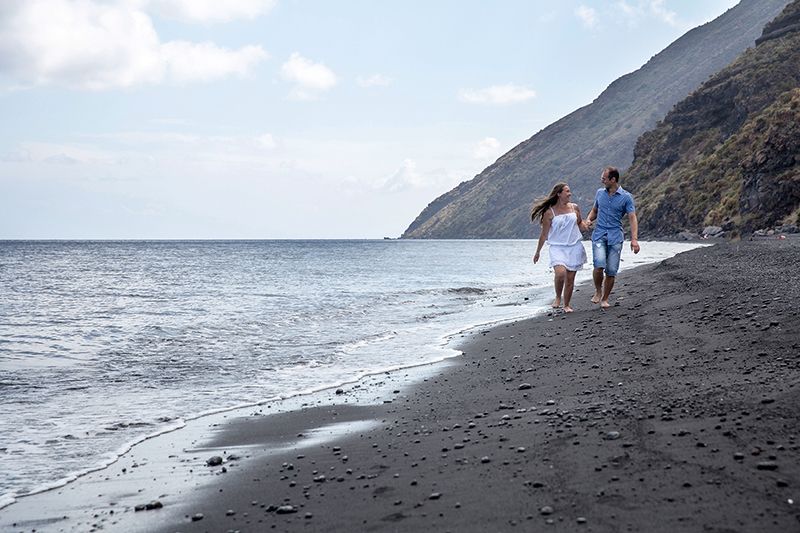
729, 154
496, 203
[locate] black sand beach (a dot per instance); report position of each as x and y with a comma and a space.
678, 409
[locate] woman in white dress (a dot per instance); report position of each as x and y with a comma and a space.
561, 229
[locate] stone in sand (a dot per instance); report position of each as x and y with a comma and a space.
214, 461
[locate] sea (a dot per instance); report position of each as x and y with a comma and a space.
106, 343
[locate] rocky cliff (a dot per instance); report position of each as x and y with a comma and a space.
729, 154
496, 203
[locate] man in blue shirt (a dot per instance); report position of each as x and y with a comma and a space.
611, 203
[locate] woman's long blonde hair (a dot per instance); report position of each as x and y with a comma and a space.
541, 205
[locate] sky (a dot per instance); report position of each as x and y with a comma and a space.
288, 119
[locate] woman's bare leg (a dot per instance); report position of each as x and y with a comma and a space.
569, 284
558, 280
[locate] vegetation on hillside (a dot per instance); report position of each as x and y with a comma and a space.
729, 154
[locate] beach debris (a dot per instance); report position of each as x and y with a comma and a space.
435, 496
197, 517
230, 512
612, 435
485, 459
546, 510
767, 465
525, 386
155, 504
286, 509
214, 461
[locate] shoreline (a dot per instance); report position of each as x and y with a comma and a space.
420, 439
446, 343
676, 415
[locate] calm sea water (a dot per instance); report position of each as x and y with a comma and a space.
104, 343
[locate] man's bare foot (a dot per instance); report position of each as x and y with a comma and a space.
567, 309
596, 298
604, 304
556, 303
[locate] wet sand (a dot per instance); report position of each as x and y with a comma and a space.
678, 409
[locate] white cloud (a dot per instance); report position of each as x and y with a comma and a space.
488, 148
266, 141
643, 9
404, 178
188, 62
61, 159
310, 79
375, 80
210, 10
657, 8
497, 95
409, 178
91, 45
587, 15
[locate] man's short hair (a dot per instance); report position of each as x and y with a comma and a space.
613, 173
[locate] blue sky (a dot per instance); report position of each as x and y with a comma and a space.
288, 118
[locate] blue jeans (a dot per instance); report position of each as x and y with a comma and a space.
606, 256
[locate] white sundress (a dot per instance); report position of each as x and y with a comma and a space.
565, 243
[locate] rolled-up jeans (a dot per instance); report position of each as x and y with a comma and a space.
606, 256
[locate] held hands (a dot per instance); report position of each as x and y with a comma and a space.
635, 246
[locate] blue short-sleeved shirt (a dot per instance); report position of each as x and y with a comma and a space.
610, 210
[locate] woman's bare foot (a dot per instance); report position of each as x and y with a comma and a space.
567, 309
556, 303
596, 298
604, 304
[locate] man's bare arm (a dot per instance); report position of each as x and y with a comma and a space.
634, 232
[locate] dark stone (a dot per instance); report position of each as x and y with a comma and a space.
214, 461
